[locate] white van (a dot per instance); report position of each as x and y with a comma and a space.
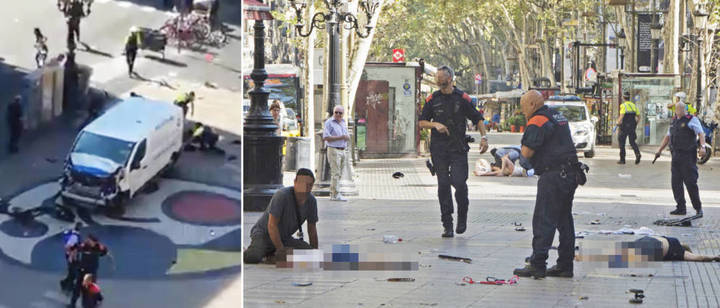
582, 126
117, 154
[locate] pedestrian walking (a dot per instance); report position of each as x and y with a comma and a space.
683, 136
627, 122
548, 146
445, 113
74, 13
72, 240
184, 100
336, 136
289, 208
90, 252
132, 43
14, 117
91, 293
40, 47
277, 116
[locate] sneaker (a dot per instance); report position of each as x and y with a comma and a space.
556, 271
338, 197
461, 224
637, 158
448, 232
530, 271
678, 212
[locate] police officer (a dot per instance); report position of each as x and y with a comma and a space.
547, 145
184, 100
132, 43
682, 136
15, 123
445, 113
74, 12
628, 123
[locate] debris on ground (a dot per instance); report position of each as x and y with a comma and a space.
520, 229
401, 279
454, 258
391, 239
639, 295
624, 176
398, 175
517, 224
279, 302
595, 222
232, 157
302, 284
584, 298
51, 160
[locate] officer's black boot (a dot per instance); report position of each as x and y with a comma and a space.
448, 231
621, 161
530, 271
462, 224
557, 271
637, 157
678, 212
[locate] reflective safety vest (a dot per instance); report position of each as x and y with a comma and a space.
630, 110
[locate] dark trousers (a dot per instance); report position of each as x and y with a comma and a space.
262, 246
72, 270
130, 55
77, 289
15, 132
74, 30
631, 135
684, 171
553, 210
451, 169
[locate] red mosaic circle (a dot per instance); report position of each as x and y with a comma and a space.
203, 208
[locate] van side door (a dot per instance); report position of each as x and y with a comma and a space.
138, 168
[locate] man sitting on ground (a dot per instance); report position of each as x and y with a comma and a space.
288, 209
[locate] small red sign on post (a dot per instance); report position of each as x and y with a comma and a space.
398, 55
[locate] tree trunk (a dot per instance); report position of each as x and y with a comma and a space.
671, 36
360, 56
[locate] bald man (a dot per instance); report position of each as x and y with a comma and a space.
682, 136
547, 145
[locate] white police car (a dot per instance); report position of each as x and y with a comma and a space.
582, 126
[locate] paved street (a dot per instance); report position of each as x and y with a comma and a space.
178, 246
408, 208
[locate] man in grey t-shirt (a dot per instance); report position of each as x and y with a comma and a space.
288, 209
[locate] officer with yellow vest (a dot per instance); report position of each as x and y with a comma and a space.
184, 100
627, 122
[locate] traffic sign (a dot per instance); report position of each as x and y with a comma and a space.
398, 55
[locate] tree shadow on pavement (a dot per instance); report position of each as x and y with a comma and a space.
166, 61
89, 49
161, 82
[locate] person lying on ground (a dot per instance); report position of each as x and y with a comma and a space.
508, 168
648, 249
288, 209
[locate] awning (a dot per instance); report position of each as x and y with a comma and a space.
256, 10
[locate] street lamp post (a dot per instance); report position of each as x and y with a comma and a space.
621, 43
333, 19
262, 148
701, 16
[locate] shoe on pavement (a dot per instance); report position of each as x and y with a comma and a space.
556, 271
530, 271
621, 162
637, 158
448, 232
699, 214
338, 197
461, 225
678, 212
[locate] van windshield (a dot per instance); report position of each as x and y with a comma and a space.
572, 113
113, 149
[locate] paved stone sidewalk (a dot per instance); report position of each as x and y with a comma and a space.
408, 209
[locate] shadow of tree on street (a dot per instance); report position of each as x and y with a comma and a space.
89, 49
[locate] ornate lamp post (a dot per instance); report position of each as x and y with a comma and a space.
332, 20
701, 16
262, 148
621, 44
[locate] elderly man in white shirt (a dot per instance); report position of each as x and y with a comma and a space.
335, 135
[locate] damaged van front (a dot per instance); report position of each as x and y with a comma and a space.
95, 171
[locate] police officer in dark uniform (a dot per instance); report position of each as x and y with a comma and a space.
445, 112
547, 145
74, 12
15, 123
628, 123
682, 136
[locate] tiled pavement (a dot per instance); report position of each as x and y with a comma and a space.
408, 208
